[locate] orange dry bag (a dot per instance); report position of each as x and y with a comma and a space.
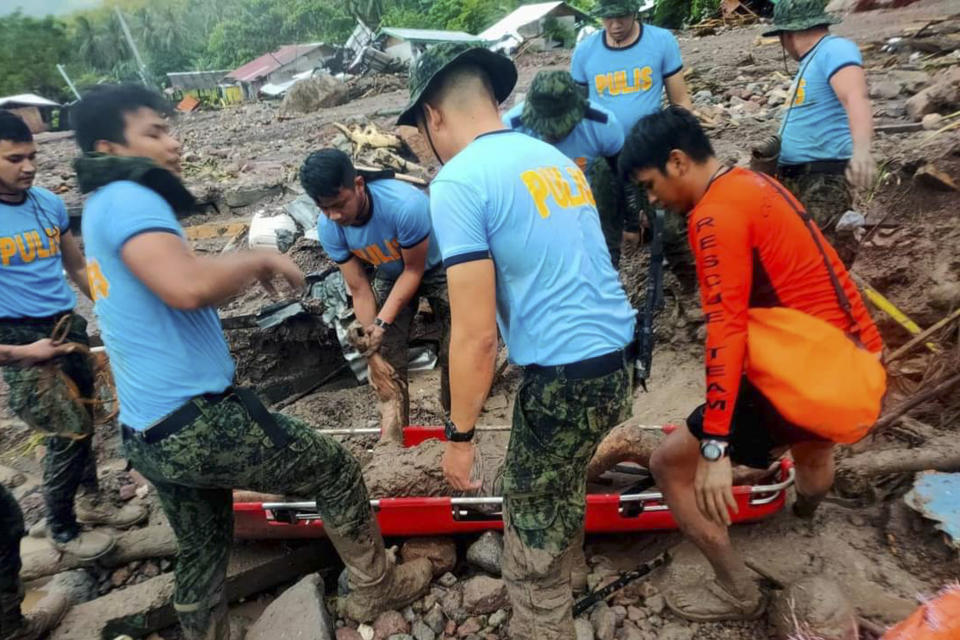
938, 619
816, 375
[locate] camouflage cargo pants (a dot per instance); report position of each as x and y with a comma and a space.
433, 287
69, 465
195, 470
826, 197
11, 590
557, 425
621, 204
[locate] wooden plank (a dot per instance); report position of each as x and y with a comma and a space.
209, 230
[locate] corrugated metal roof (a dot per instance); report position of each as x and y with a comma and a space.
430, 35
523, 15
28, 99
188, 80
270, 62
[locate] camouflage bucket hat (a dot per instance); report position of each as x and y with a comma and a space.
554, 105
615, 8
500, 69
799, 15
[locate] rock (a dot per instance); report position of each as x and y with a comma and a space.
422, 631
934, 178
450, 629
604, 622
442, 552
932, 121
409, 615
150, 569
487, 552
318, 92
704, 96
389, 623
630, 631
469, 627
816, 607
434, 618
244, 197
346, 633
366, 632
77, 586
483, 595
119, 577
911, 81
127, 491
621, 613
299, 613
448, 580
776, 97
401, 636
886, 89
452, 605
676, 631
944, 296
583, 628
943, 94
497, 618
635, 614
655, 603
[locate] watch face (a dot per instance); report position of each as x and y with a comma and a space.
711, 451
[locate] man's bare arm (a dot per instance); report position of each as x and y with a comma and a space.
850, 85
170, 269
364, 302
74, 263
414, 264
677, 92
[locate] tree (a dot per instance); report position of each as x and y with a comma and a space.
31, 50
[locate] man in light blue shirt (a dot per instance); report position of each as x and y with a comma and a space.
184, 425
521, 241
367, 222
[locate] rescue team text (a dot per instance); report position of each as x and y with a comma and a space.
549, 182
29, 245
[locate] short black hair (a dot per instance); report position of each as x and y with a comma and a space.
99, 114
649, 143
13, 128
325, 172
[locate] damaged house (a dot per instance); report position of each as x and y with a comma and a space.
279, 67
547, 24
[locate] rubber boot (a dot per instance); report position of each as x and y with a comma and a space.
46, 615
92, 509
377, 583
86, 545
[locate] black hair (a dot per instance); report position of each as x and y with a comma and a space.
13, 128
649, 143
325, 172
99, 114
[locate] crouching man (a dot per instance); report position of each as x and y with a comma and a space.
755, 248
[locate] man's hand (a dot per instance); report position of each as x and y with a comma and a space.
374, 339
276, 264
861, 170
458, 465
43, 350
713, 488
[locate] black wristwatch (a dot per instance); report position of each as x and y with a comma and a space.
453, 435
381, 323
713, 450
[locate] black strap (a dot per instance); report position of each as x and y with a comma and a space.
372, 175
262, 417
842, 298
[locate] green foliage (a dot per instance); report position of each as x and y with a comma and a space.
671, 13
557, 31
29, 55
703, 9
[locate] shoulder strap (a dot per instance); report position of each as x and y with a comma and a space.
796, 86
842, 298
372, 175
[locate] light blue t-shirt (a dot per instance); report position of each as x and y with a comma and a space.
527, 206
598, 135
817, 127
400, 220
31, 266
628, 81
160, 356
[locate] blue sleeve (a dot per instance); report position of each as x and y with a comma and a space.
672, 60
413, 223
332, 240
459, 222
838, 53
578, 67
139, 210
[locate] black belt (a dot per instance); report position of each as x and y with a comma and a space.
189, 412
36, 321
829, 167
590, 368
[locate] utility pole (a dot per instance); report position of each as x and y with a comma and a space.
133, 46
63, 72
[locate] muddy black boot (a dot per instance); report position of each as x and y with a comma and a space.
37, 624
377, 583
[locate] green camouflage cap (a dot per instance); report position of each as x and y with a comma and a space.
499, 68
554, 105
799, 15
615, 8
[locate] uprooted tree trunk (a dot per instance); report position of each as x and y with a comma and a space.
938, 454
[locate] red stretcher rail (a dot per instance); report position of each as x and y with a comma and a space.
606, 513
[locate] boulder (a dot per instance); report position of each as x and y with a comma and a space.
885, 89
298, 614
317, 92
943, 94
487, 552
442, 552
389, 623
483, 595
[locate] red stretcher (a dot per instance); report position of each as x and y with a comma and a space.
412, 516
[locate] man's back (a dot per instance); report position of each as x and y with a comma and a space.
527, 205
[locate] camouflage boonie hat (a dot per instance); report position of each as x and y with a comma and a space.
554, 105
799, 15
615, 8
500, 69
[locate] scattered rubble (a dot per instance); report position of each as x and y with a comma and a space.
298, 614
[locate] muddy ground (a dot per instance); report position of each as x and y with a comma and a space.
244, 159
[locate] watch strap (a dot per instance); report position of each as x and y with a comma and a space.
455, 435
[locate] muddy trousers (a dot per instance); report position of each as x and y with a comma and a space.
433, 287
224, 448
69, 465
558, 423
11, 590
826, 197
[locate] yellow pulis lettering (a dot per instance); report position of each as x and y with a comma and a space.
585, 193
28, 253
538, 189
99, 287
801, 93
42, 251
8, 248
